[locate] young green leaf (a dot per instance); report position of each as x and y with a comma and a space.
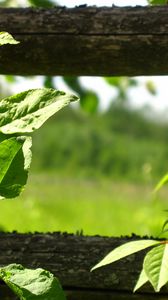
30, 284
156, 266
6, 38
15, 158
27, 111
162, 182
125, 250
141, 280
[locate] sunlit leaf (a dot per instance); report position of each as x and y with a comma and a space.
156, 266
6, 38
30, 284
141, 280
28, 110
125, 250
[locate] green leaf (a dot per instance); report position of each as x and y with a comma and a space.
162, 182
125, 250
15, 159
156, 266
30, 284
141, 280
28, 110
6, 38
8, 150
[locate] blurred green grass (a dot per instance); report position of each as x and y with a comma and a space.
94, 206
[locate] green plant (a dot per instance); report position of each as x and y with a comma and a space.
20, 115
155, 263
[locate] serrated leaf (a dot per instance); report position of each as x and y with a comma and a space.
15, 158
125, 250
162, 182
27, 111
6, 38
156, 266
30, 284
141, 280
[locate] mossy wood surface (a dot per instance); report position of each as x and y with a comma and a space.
70, 258
86, 41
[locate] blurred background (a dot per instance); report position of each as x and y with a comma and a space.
95, 163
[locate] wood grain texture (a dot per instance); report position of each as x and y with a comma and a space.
70, 258
86, 41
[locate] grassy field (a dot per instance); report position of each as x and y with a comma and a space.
50, 203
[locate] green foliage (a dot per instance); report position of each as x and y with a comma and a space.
155, 265
21, 114
75, 203
157, 2
120, 144
123, 84
31, 284
24, 113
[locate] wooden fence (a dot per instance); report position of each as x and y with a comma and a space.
70, 258
82, 41
86, 41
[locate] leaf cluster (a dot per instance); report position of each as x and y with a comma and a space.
19, 115
155, 264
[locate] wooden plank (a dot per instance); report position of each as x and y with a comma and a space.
70, 258
86, 41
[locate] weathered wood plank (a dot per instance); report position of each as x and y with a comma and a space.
70, 258
86, 41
